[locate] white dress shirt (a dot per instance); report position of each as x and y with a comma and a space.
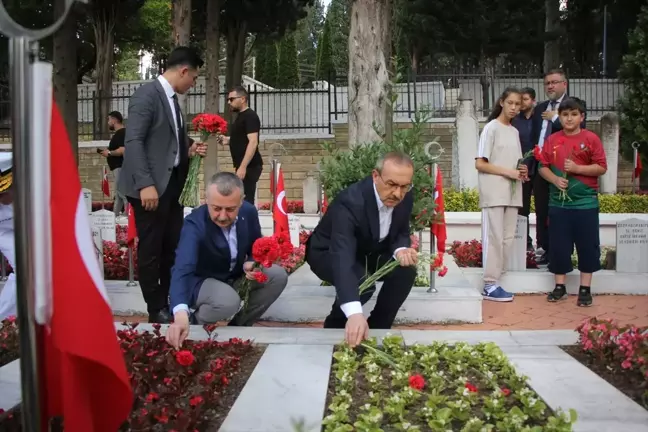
8, 249
178, 122
384, 218
545, 123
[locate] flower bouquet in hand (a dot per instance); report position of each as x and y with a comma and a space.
207, 125
517, 167
266, 251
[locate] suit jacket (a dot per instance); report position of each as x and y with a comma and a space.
203, 252
536, 129
151, 145
349, 233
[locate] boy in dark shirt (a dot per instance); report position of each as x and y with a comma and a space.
244, 142
571, 161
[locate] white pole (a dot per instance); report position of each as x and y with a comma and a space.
432, 288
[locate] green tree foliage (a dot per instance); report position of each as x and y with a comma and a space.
288, 67
272, 64
260, 50
325, 69
307, 34
339, 15
634, 104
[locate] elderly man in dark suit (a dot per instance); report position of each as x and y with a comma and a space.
215, 250
545, 122
156, 162
364, 227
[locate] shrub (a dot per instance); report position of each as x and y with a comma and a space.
469, 254
342, 168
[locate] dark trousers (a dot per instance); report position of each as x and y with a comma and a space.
158, 232
396, 287
574, 227
541, 195
525, 210
252, 175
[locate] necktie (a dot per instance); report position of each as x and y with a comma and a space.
179, 128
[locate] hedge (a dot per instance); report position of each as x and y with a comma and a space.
467, 200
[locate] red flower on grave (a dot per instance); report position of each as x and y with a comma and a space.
260, 277
184, 358
208, 377
505, 391
152, 397
417, 382
196, 400
471, 388
443, 271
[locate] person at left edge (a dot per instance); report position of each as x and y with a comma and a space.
7, 235
155, 167
214, 254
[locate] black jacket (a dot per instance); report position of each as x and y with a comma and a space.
349, 233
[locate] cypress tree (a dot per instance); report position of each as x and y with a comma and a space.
325, 68
288, 67
271, 65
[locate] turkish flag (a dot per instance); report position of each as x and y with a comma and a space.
637, 165
85, 374
105, 186
279, 215
132, 229
438, 228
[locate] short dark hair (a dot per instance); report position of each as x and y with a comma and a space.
240, 90
571, 104
528, 90
185, 56
555, 72
117, 116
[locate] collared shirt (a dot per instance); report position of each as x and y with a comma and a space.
524, 126
546, 123
178, 122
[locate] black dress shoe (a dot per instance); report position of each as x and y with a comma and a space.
161, 317
543, 260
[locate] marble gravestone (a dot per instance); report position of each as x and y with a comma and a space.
632, 246
517, 254
294, 224
104, 221
87, 198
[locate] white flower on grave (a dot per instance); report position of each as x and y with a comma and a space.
495, 402
532, 401
490, 375
395, 398
367, 406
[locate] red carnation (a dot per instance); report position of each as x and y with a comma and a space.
443, 271
209, 124
471, 388
260, 277
184, 358
265, 251
417, 382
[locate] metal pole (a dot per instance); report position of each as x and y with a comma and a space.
103, 196
131, 268
432, 289
635, 159
605, 41
273, 188
24, 228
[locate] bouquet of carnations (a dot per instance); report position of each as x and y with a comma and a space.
207, 125
266, 251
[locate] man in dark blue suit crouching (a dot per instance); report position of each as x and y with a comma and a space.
215, 249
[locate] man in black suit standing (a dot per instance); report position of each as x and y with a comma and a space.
156, 162
545, 122
364, 227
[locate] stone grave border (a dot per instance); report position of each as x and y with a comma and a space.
290, 381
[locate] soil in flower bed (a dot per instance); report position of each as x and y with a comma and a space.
437, 387
629, 382
188, 390
8, 341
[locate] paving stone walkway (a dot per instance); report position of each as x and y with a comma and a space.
526, 312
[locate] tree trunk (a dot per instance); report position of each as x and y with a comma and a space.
552, 27
64, 81
369, 85
212, 81
236, 36
182, 35
105, 48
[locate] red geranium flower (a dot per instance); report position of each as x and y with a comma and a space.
417, 382
471, 388
195, 401
184, 358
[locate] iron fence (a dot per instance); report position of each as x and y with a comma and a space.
313, 110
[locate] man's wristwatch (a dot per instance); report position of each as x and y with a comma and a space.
109, 153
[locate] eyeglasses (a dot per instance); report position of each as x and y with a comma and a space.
232, 99
393, 186
548, 83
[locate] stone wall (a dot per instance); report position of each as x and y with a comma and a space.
301, 157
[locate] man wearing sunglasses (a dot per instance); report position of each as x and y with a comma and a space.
244, 142
366, 226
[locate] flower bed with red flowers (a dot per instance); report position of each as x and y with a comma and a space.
437, 387
8, 341
188, 390
293, 206
469, 254
618, 354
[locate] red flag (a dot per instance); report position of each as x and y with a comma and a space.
132, 229
438, 228
279, 215
105, 186
85, 374
637, 165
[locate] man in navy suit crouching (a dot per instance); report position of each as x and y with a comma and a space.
215, 249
